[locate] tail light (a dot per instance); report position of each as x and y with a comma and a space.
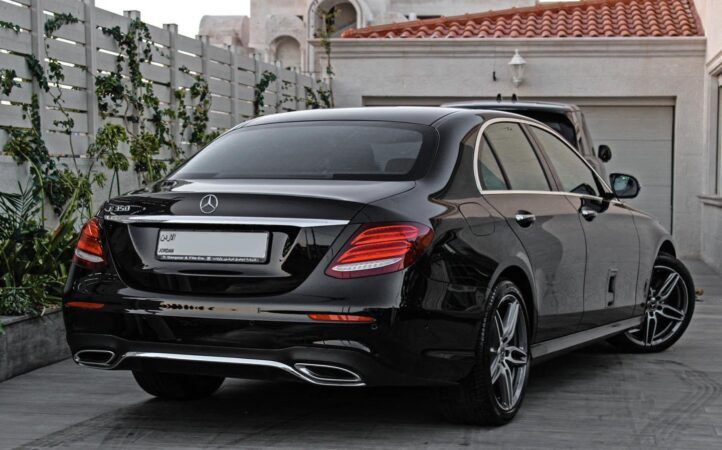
89, 252
379, 249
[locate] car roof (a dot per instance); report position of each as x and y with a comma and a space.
511, 105
422, 115
409, 114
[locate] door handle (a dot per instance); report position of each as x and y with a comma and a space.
525, 219
588, 214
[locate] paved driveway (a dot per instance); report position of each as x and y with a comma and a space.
591, 398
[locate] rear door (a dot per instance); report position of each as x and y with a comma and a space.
612, 243
545, 222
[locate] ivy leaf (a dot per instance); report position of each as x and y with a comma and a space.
10, 26
58, 21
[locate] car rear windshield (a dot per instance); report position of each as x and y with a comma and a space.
341, 150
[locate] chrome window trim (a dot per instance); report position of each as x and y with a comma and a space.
566, 194
225, 220
477, 178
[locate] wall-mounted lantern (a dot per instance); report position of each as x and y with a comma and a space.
517, 64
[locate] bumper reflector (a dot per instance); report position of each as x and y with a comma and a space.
341, 318
85, 305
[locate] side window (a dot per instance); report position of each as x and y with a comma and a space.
517, 157
575, 176
490, 173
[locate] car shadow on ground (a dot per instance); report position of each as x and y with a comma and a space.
285, 414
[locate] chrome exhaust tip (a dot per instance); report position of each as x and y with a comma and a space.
94, 358
319, 374
328, 375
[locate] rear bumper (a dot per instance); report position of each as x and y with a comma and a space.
273, 337
400, 348
320, 366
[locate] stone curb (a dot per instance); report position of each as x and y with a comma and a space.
30, 342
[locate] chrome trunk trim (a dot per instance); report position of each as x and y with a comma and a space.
225, 220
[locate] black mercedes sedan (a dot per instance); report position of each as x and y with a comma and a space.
374, 246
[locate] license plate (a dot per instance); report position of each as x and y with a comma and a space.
212, 246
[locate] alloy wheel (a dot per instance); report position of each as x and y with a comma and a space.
665, 309
509, 352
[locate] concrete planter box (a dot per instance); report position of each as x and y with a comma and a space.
29, 342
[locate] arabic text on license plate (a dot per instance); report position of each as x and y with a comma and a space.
212, 246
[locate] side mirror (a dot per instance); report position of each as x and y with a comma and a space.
624, 186
604, 153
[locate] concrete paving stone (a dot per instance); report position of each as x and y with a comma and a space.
592, 398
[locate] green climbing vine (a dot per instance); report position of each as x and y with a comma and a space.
131, 96
106, 150
57, 22
9, 26
319, 97
56, 183
8, 81
323, 97
265, 80
197, 120
34, 260
145, 119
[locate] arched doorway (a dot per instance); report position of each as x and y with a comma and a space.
287, 50
347, 15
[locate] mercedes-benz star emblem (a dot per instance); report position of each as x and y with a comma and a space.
209, 203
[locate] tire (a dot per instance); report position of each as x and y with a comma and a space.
176, 386
672, 315
477, 399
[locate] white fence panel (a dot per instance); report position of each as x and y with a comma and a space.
86, 50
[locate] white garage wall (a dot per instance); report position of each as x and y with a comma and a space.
641, 141
710, 12
631, 70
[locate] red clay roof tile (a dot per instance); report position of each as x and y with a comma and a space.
590, 18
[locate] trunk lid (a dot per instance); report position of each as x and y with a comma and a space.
302, 219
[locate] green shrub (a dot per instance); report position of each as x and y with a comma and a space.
33, 260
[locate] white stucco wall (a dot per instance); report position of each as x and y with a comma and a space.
261, 12
712, 232
619, 70
226, 30
710, 12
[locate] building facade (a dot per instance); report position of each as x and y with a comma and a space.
280, 30
711, 198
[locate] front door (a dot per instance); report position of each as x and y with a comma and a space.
544, 221
612, 244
